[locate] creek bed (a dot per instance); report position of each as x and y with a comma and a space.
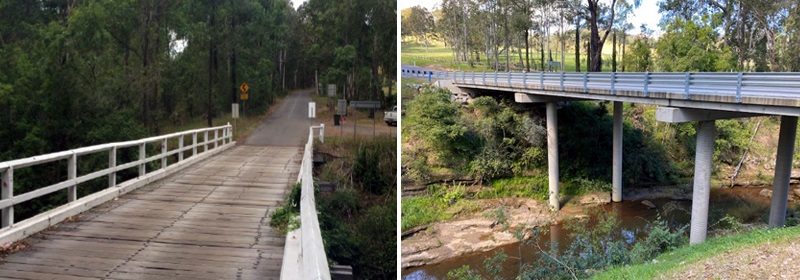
744, 203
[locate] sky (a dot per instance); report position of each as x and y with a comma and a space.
297, 3
647, 13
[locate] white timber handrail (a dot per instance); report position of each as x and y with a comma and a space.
214, 140
309, 261
778, 85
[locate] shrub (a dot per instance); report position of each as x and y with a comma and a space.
286, 217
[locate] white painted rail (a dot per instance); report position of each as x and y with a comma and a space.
309, 261
12, 231
772, 85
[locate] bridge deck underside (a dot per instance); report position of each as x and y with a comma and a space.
209, 221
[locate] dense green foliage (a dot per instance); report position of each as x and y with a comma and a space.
488, 139
359, 219
80, 73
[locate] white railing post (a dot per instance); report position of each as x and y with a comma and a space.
194, 144
205, 141
142, 156
322, 133
164, 153
180, 148
216, 138
72, 172
7, 193
112, 162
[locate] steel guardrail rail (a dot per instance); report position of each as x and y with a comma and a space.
736, 85
8, 199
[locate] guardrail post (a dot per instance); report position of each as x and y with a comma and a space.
686, 85
495, 77
484, 77
473, 78
463, 77
739, 89
525, 79
613, 83
142, 156
7, 193
72, 172
164, 153
541, 80
112, 162
194, 144
509, 78
585, 82
562, 81
646, 84
180, 148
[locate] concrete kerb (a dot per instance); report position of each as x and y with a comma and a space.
50, 218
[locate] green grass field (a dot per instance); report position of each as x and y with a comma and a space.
437, 54
670, 261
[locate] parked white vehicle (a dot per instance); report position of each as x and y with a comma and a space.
390, 117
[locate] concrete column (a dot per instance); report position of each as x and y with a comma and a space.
783, 171
704, 152
616, 171
552, 154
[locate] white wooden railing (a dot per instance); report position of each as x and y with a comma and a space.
309, 261
778, 85
214, 140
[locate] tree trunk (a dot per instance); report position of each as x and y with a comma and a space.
614, 52
624, 42
527, 49
577, 44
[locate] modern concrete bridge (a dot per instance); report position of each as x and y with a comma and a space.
681, 97
203, 213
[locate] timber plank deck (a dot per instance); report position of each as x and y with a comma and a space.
209, 221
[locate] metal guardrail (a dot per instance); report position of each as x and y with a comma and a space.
314, 260
782, 85
9, 199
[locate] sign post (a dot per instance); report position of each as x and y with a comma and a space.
244, 96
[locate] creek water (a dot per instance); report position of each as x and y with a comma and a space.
744, 203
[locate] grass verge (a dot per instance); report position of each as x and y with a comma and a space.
690, 254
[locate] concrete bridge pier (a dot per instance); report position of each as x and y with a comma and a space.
704, 153
552, 154
616, 171
783, 170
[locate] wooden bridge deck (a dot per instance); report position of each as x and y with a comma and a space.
209, 221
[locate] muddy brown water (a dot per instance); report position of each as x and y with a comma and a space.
744, 203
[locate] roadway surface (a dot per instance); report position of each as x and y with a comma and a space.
288, 125
209, 221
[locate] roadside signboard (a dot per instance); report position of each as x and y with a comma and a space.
244, 88
312, 110
365, 104
331, 90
